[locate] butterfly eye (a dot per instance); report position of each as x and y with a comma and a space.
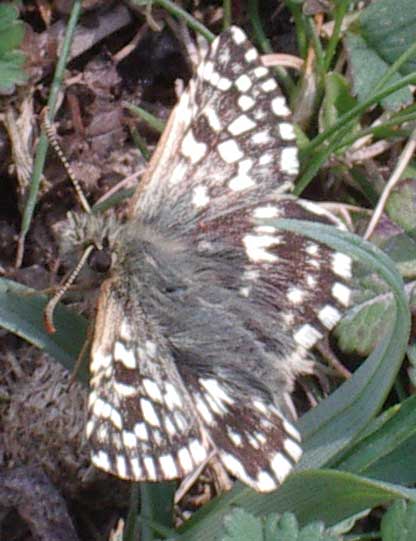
100, 260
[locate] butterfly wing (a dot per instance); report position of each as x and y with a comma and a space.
229, 135
141, 424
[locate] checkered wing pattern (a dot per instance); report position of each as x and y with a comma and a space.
209, 313
229, 139
141, 422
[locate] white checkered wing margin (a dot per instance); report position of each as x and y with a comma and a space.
141, 423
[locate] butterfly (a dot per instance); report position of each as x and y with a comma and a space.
206, 315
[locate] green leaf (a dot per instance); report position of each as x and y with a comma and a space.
21, 312
11, 70
389, 28
360, 330
367, 68
243, 526
387, 452
402, 202
383, 44
11, 60
305, 493
399, 523
337, 100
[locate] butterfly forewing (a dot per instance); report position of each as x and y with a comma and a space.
229, 136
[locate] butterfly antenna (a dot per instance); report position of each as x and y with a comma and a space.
51, 135
50, 307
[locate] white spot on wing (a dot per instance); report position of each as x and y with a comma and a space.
193, 149
307, 336
178, 173
329, 316
172, 398
266, 159
269, 211
200, 196
234, 466
238, 35
151, 348
116, 419
256, 247
129, 439
342, 293
141, 431
261, 138
149, 465
152, 389
136, 468
125, 330
269, 85
170, 429
124, 356
291, 430
92, 398
198, 452
266, 229
251, 55
279, 106
101, 460
242, 180
208, 70
312, 249
292, 449
289, 162
260, 71
213, 119
245, 291
204, 410
260, 437
213, 387
229, 151
124, 390
149, 413
121, 466
280, 466
311, 281
241, 125
243, 83
168, 467
295, 295
341, 265
253, 442
180, 421
245, 102
260, 406
224, 84
185, 460
265, 482
100, 362
287, 133
101, 409
215, 406
235, 437
89, 428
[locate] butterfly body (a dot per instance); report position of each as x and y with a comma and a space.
207, 315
